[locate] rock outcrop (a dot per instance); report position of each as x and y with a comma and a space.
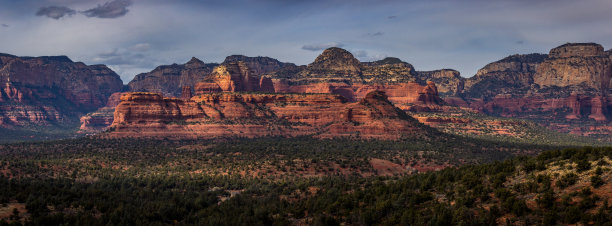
581, 64
101, 119
254, 74
258, 66
448, 81
236, 73
336, 65
388, 70
234, 77
47, 90
257, 115
97, 121
335, 71
568, 88
207, 87
170, 79
186, 93
404, 95
571, 82
505, 76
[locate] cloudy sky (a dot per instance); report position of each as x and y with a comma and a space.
134, 36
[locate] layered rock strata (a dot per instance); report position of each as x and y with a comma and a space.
101, 119
448, 81
513, 74
235, 77
571, 82
336, 65
257, 115
170, 79
582, 64
244, 74
47, 90
258, 66
404, 95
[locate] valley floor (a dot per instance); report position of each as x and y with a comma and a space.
298, 181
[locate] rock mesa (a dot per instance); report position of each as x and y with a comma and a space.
257, 115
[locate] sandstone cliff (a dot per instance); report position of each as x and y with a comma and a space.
512, 74
576, 64
261, 74
571, 85
405, 95
258, 66
336, 65
568, 88
102, 118
256, 115
571, 82
236, 73
581, 67
448, 81
47, 90
335, 71
235, 77
170, 79
516, 86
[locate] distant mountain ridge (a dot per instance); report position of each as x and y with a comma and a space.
51, 89
169, 79
566, 88
525, 86
338, 65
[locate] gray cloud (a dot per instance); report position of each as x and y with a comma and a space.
141, 47
364, 56
464, 35
321, 46
55, 12
360, 53
129, 61
112, 57
374, 34
112, 9
5, 25
119, 57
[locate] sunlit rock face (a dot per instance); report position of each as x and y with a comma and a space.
568, 88
258, 115
584, 64
448, 81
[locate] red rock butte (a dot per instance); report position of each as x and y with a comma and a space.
258, 115
568, 88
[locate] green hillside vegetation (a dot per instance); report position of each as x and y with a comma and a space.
40, 132
279, 181
500, 129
